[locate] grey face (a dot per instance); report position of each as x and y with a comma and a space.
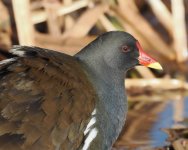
119, 50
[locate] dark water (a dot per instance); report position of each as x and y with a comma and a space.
144, 129
166, 120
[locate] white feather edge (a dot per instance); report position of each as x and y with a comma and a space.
7, 61
16, 51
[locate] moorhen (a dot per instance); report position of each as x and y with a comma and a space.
53, 101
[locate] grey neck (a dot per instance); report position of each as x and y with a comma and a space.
111, 107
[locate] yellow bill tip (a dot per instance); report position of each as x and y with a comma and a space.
155, 65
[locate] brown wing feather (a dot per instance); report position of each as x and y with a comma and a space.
45, 101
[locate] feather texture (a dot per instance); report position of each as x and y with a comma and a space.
46, 101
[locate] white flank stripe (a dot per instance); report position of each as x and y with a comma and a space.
92, 132
91, 122
91, 136
94, 112
7, 61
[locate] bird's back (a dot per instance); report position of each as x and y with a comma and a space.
46, 101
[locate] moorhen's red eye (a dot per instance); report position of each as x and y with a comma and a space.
125, 48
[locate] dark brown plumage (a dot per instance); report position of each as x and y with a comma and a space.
40, 101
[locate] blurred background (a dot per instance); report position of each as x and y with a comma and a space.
158, 101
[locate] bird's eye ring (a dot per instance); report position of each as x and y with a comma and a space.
125, 48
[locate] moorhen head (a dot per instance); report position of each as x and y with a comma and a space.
106, 61
53, 101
